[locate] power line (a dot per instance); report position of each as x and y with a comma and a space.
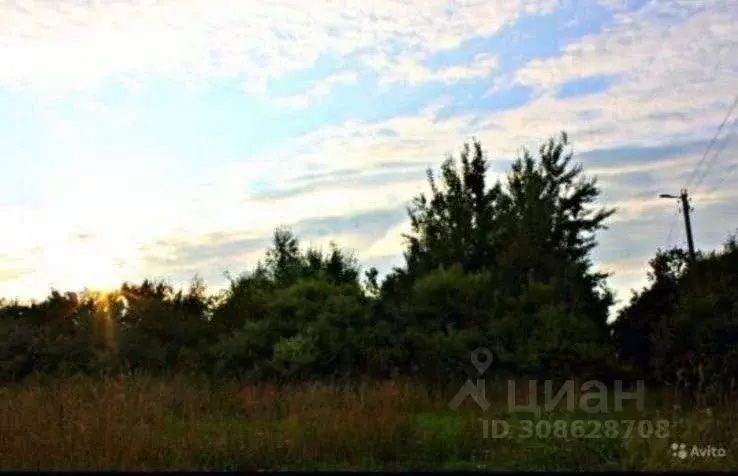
727, 171
712, 142
671, 227
716, 154
725, 175
684, 197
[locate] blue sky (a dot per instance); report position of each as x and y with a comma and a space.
163, 139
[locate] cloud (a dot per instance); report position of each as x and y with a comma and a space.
369, 225
11, 268
417, 140
673, 58
383, 173
317, 90
388, 244
412, 72
648, 46
178, 259
52, 47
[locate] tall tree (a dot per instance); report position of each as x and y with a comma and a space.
455, 225
550, 227
635, 324
531, 239
704, 318
283, 259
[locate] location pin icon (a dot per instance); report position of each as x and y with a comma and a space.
481, 359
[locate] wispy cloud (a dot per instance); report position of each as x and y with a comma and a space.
413, 72
316, 91
77, 45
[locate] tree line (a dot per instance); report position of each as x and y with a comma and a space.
505, 266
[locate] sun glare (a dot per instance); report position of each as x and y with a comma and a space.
94, 263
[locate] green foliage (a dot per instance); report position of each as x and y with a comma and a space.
294, 355
635, 331
505, 266
685, 309
509, 260
241, 353
16, 358
458, 223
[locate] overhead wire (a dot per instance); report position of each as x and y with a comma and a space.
671, 228
712, 161
711, 144
730, 168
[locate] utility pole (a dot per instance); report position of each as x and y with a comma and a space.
686, 209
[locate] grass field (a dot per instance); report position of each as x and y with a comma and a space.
138, 423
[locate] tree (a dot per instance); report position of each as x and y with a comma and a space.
456, 224
550, 228
300, 314
161, 329
283, 260
634, 327
535, 232
685, 310
704, 319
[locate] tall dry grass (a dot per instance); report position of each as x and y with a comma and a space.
140, 423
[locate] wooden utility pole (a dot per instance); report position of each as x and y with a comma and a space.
686, 209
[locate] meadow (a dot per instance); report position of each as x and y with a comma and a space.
142, 423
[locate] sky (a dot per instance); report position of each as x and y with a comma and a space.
165, 139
